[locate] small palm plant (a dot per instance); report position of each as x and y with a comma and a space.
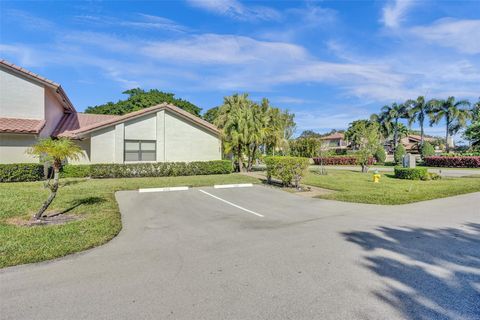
56, 151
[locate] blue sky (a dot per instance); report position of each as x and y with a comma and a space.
330, 62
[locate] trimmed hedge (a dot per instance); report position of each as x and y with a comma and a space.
340, 160
75, 171
289, 170
19, 172
160, 169
454, 162
411, 173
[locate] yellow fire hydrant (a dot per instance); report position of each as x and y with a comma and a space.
376, 176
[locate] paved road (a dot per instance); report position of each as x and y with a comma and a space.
191, 255
441, 171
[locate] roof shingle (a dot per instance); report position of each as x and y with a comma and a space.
17, 125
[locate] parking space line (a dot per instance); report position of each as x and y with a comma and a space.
237, 185
163, 189
232, 204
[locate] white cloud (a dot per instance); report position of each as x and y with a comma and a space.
394, 12
462, 35
236, 10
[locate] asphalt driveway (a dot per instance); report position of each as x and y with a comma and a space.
261, 253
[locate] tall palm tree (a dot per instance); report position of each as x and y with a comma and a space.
55, 151
391, 116
450, 110
417, 111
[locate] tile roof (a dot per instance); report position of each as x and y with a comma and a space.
68, 126
72, 122
57, 87
336, 135
17, 125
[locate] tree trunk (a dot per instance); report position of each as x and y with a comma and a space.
447, 147
364, 168
53, 193
250, 159
240, 162
395, 135
421, 133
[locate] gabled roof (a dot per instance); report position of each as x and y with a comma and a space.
71, 122
67, 104
18, 125
333, 136
85, 125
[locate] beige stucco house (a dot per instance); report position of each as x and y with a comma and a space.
32, 107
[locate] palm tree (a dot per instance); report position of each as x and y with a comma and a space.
450, 110
390, 117
417, 111
55, 151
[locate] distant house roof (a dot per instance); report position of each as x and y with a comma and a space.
75, 125
18, 125
67, 104
334, 136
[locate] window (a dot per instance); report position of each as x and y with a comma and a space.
140, 150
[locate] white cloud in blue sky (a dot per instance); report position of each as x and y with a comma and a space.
329, 62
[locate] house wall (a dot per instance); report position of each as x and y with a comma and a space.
85, 146
177, 139
53, 113
185, 141
13, 148
20, 97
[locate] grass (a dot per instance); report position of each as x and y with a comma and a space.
355, 186
90, 199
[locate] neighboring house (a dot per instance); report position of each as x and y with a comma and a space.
32, 107
411, 143
335, 141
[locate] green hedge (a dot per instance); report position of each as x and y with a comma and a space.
289, 170
161, 169
412, 173
18, 172
75, 171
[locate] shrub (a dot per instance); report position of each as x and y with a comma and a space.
75, 171
398, 154
161, 169
380, 155
289, 170
411, 173
454, 162
339, 160
427, 150
18, 172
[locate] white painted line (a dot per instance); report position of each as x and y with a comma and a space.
237, 185
232, 204
163, 189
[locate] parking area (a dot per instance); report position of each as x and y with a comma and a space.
262, 253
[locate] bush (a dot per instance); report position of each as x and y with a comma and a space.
160, 169
398, 154
18, 172
380, 155
75, 171
411, 173
339, 160
289, 170
454, 162
427, 150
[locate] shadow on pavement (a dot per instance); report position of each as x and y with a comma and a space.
429, 273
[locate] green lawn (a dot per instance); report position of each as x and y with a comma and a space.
358, 187
91, 199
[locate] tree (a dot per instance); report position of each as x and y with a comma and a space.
427, 150
391, 116
366, 136
55, 151
211, 114
450, 110
399, 153
472, 133
417, 111
139, 99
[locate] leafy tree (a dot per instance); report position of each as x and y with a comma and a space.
417, 111
139, 99
366, 137
472, 134
55, 151
306, 147
390, 118
309, 133
427, 150
380, 155
450, 110
211, 114
399, 153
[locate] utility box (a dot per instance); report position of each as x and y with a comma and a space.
409, 161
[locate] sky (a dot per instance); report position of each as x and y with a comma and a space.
329, 62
